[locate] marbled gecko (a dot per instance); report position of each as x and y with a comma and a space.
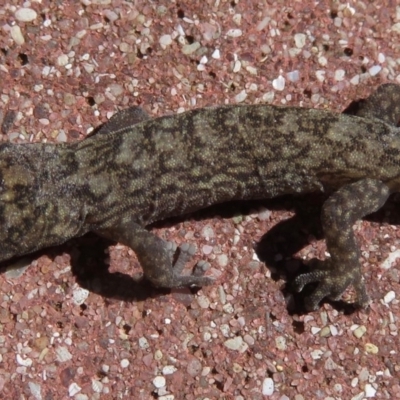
138, 170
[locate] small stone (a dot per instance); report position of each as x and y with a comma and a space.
374, 70
371, 348
165, 40
63, 354
216, 54
263, 23
190, 48
389, 297
280, 343
25, 14
320, 74
234, 33
359, 332
79, 295
35, 389
62, 60
293, 76
222, 260
143, 343
61, 137
203, 301
236, 343
241, 96
69, 99
25, 362
339, 74
252, 70
168, 369
396, 27
81, 396
16, 269
124, 363
194, 367
97, 386
358, 396
110, 15
369, 390
159, 382
300, 40
323, 61
316, 354
279, 83
355, 80
268, 387
116, 89
325, 332
17, 35
268, 97
73, 389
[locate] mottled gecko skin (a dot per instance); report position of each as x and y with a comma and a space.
138, 170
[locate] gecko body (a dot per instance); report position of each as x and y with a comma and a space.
136, 170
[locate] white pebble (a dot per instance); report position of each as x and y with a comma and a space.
316, 354
236, 343
124, 363
216, 54
279, 83
355, 80
339, 74
79, 295
62, 60
322, 61
293, 76
389, 296
237, 66
97, 386
263, 23
241, 96
168, 369
143, 343
396, 27
25, 14
374, 70
203, 302
234, 33
370, 391
268, 387
63, 354
300, 40
190, 48
111, 15
25, 362
17, 35
280, 343
320, 74
73, 389
35, 390
165, 40
159, 382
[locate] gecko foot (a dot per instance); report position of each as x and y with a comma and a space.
180, 257
332, 282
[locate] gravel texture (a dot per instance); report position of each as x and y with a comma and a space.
88, 330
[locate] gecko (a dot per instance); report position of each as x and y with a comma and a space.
136, 170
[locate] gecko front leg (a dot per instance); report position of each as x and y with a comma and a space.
342, 209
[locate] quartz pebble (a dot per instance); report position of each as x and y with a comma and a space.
25, 14
268, 387
159, 382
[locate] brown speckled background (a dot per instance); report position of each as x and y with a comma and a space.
66, 68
